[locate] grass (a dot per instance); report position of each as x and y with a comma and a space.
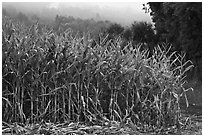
50, 79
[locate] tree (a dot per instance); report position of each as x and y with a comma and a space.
4, 12
115, 30
127, 34
23, 18
180, 23
142, 32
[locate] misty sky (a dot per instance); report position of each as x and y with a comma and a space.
120, 12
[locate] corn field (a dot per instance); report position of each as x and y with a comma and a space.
64, 78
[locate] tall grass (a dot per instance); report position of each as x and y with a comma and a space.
64, 78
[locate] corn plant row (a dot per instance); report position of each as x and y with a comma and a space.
62, 78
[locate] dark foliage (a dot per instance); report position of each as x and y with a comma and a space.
142, 32
180, 23
115, 30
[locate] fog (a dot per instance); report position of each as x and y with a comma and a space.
119, 12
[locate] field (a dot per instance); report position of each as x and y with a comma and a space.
63, 84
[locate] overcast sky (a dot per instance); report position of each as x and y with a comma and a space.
120, 12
